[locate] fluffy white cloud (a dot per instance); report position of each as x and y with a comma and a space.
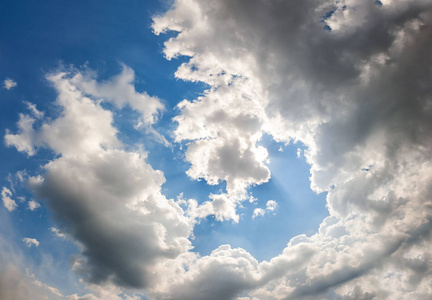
229, 271
8, 202
84, 127
271, 206
31, 242
258, 212
32, 205
9, 84
120, 91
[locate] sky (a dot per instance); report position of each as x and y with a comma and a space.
220, 149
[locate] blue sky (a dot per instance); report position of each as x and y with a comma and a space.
228, 150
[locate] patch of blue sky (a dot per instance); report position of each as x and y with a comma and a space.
299, 211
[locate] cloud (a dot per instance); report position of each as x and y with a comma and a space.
7, 200
66, 135
258, 212
120, 91
9, 84
230, 271
106, 199
32, 108
18, 286
32, 205
58, 233
31, 242
271, 205
349, 80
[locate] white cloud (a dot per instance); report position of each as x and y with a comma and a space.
31, 242
35, 112
271, 206
25, 140
32, 205
9, 84
217, 154
7, 200
258, 212
84, 127
120, 91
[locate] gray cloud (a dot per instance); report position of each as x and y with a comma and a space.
349, 79
104, 198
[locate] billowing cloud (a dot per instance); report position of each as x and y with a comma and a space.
350, 80
106, 199
120, 91
83, 127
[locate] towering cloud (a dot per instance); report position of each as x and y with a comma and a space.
350, 80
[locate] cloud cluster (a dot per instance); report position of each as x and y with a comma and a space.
108, 200
349, 79
271, 206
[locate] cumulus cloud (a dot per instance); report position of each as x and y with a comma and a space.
31, 242
8, 202
107, 199
32, 205
349, 79
83, 127
120, 90
9, 84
